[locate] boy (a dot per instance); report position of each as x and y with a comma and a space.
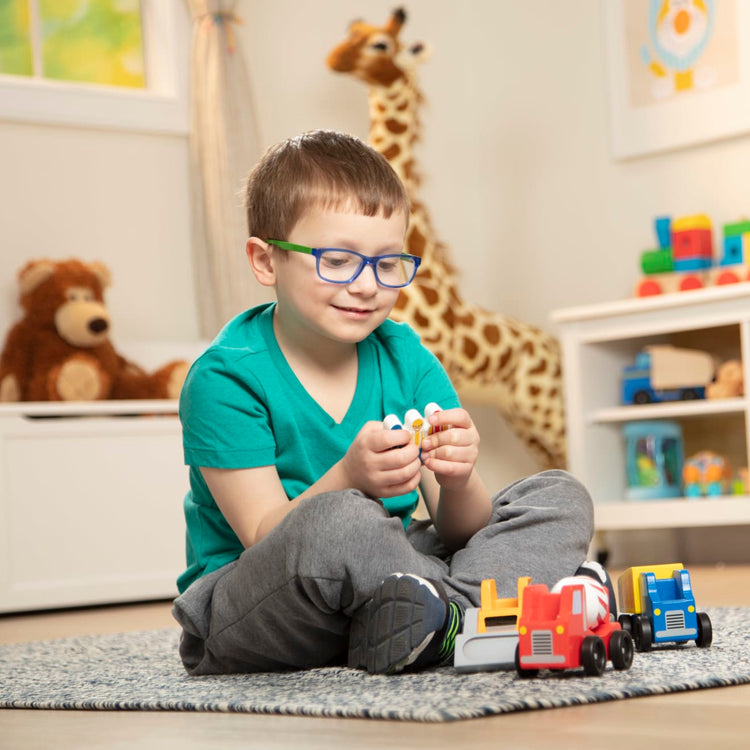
300, 548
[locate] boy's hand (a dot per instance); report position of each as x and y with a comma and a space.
382, 463
452, 453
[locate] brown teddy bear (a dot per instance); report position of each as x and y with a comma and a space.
60, 350
729, 381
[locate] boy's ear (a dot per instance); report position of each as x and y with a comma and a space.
260, 255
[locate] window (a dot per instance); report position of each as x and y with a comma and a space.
100, 63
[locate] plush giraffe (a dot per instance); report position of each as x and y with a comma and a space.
490, 357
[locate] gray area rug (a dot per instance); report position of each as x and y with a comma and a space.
142, 672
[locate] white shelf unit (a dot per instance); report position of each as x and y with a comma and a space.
597, 342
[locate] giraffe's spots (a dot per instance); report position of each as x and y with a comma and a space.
392, 151
527, 347
483, 367
421, 320
430, 295
492, 334
534, 391
539, 368
410, 171
467, 319
381, 107
470, 348
395, 126
415, 241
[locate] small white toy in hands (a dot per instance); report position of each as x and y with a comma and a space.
415, 423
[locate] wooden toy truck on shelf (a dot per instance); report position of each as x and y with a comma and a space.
667, 373
660, 607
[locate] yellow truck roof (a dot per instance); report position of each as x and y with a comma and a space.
629, 584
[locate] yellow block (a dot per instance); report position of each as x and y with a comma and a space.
629, 584
696, 221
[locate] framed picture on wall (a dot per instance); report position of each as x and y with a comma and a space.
678, 72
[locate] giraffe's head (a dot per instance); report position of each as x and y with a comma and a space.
374, 54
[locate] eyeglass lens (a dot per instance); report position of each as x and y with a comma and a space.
341, 266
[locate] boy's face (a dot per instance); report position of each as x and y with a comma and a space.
346, 313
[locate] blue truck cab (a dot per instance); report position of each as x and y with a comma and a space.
668, 612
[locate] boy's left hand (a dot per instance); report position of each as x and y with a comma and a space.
452, 453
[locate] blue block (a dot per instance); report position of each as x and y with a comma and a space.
663, 225
732, 250
692, 264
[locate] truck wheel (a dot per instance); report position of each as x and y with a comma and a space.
705, 630
626, 623
643, 633
525, 673
690, 394
642, 397
621, 649
593, 655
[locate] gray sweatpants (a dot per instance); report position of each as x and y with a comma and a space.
286, 602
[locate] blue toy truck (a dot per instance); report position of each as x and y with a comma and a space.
660, 607
667, 373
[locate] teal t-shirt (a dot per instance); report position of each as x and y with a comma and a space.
242, 407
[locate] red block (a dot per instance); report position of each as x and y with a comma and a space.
692, 243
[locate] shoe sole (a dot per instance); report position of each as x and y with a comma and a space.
396, 625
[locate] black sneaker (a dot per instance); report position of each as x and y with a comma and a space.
409, 622
598, 573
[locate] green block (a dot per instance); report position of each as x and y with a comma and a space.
732, 230
657, 261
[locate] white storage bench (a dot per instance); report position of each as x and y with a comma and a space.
91, 499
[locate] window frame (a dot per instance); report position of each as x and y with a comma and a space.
160, 108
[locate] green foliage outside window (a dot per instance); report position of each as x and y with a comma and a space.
15, 41
86, 41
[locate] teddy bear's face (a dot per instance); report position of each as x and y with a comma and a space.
68, 295
82, 320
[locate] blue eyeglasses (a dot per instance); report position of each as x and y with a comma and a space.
343, 266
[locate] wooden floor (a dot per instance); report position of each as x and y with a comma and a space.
696, 719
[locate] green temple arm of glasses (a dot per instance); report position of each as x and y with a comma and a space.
292, 246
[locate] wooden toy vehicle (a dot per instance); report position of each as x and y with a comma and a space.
490, 633
660, 607
667, 373
570, 627
685, 259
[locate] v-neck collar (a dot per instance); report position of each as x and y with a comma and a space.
356, 413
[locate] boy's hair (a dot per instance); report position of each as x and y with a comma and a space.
323, 169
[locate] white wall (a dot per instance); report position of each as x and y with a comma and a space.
519, 178
113, 196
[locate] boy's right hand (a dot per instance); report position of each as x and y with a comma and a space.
382, 463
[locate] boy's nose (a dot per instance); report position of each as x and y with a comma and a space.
366, 281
